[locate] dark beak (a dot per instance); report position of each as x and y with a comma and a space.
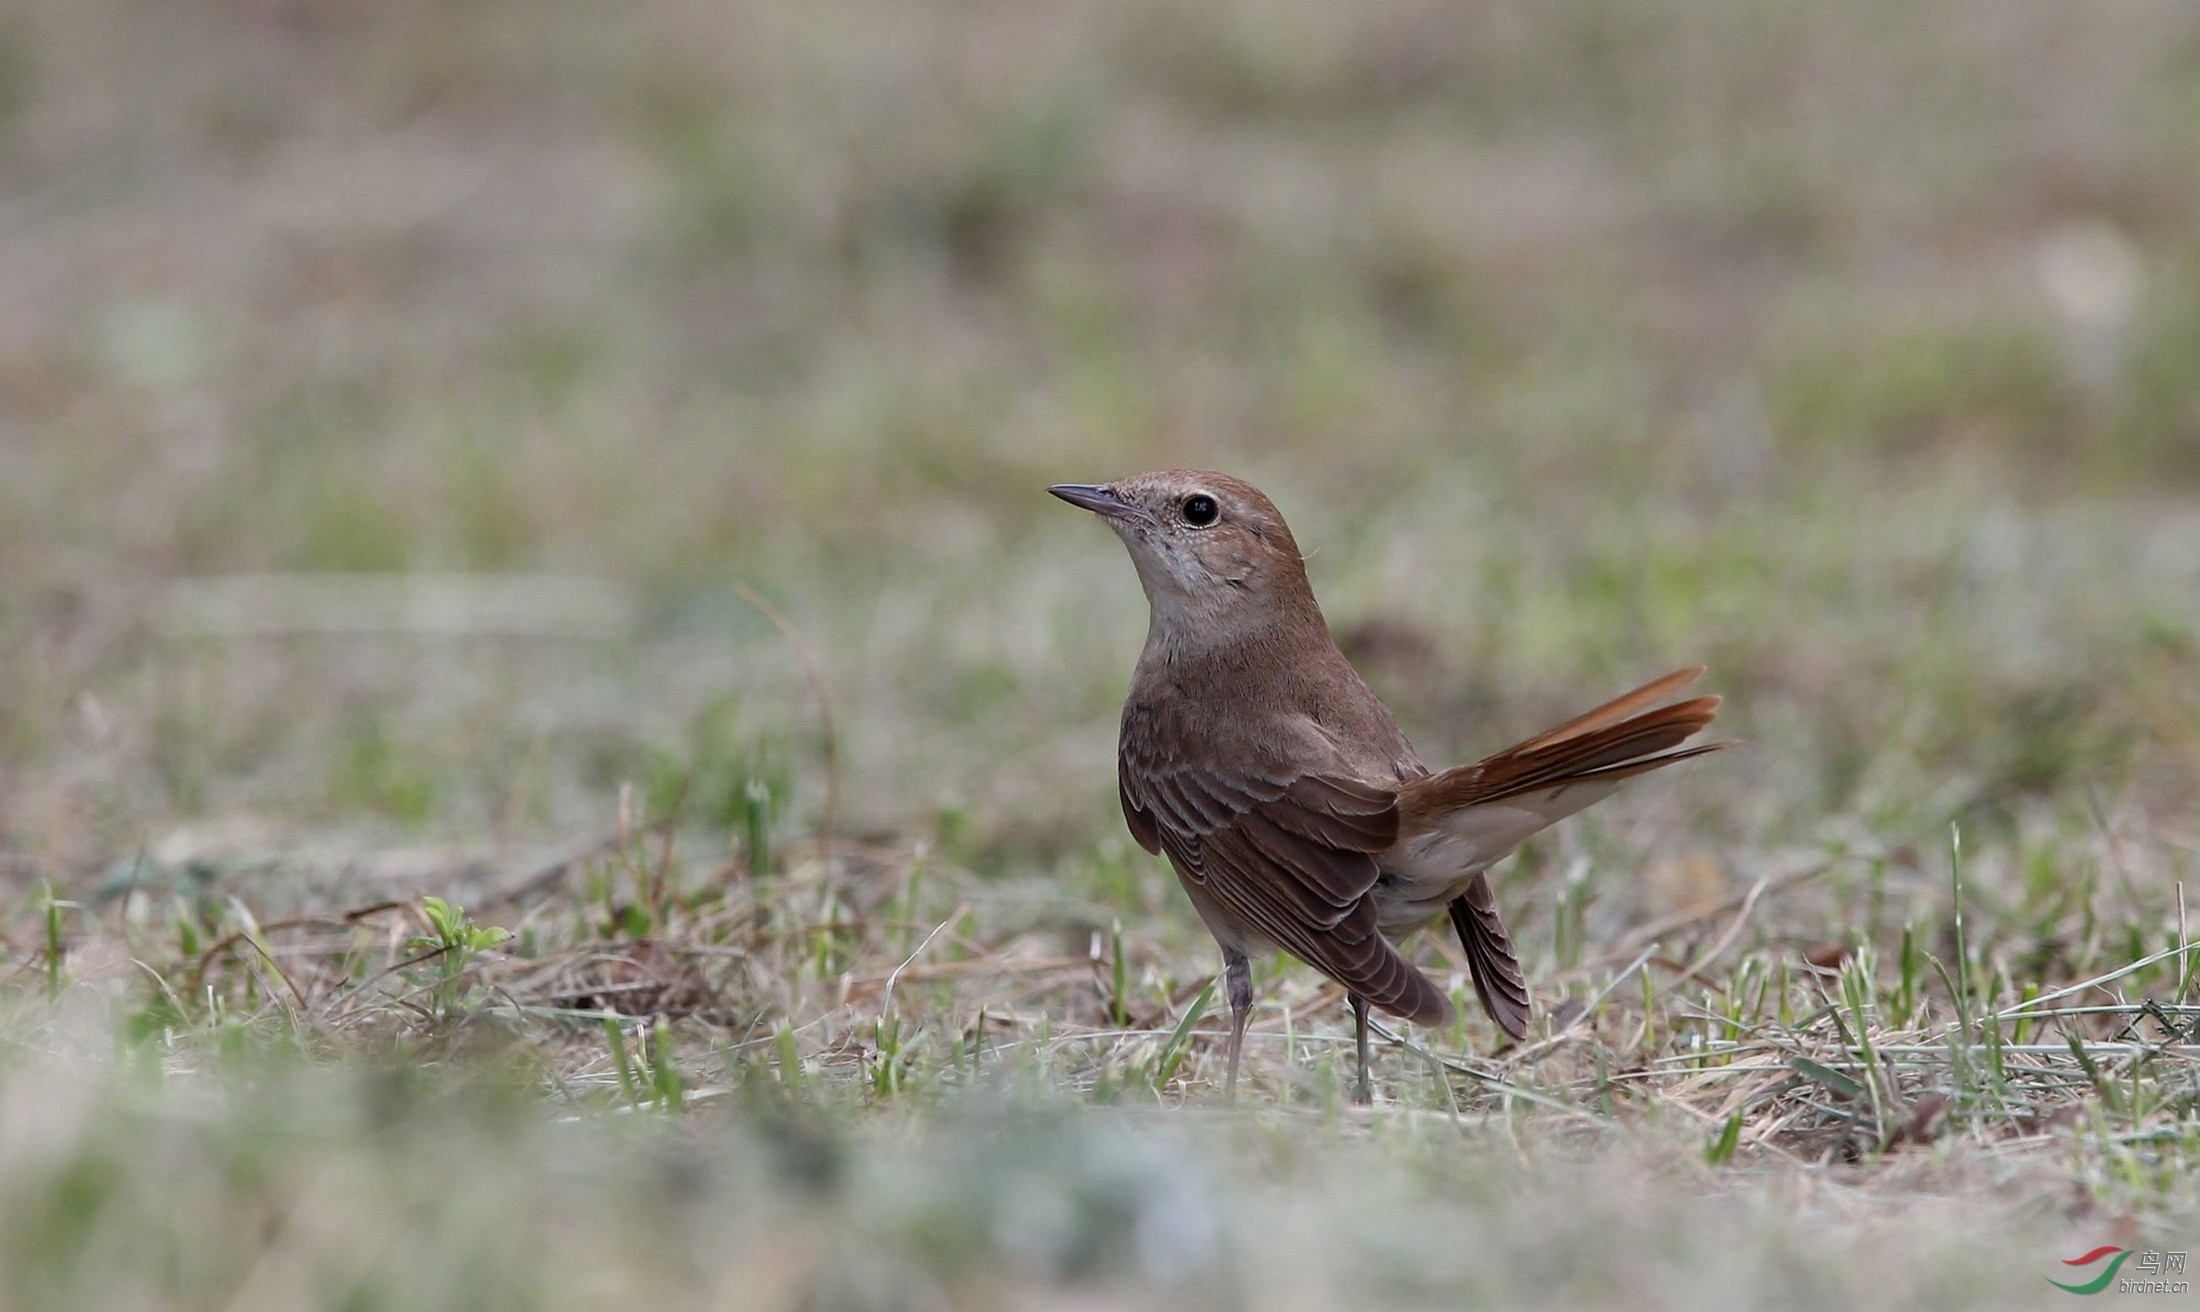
1098, 498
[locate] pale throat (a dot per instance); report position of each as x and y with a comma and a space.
1187, 623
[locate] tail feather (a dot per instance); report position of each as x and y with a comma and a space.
1612, 712
1491, 961
1613, 742
1462, 820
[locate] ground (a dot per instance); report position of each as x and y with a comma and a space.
554, 751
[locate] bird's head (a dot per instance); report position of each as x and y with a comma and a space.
1213, 553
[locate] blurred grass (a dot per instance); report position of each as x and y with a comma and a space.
383, 1190
1850, 350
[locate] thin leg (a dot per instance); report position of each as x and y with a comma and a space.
1238, 976
1363, 1091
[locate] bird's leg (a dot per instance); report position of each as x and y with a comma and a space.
1363, 1091
1238, 977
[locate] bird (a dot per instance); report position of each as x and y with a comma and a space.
1282, 791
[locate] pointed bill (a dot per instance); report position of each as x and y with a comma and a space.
1098, 498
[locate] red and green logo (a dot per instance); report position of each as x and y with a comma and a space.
2099, 1283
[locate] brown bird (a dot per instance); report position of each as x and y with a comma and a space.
1291, 805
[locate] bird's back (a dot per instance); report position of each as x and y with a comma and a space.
1274, 698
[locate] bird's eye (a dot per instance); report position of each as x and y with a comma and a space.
1200, 510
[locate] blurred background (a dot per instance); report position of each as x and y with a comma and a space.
445, 441
394, 397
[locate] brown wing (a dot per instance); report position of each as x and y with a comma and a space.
1136, 816
1291, 858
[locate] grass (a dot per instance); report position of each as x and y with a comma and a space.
553, 751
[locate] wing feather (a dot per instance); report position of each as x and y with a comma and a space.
1291, 855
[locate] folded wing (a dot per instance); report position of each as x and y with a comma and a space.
1292, 858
